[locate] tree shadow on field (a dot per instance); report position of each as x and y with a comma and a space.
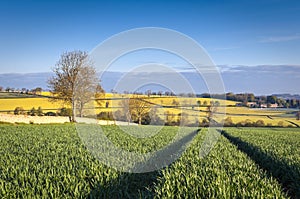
288, 175
141, 185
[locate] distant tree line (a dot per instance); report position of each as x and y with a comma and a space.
244, 98
34, 91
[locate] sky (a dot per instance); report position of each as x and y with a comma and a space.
237, 33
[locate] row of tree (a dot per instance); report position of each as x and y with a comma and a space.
35, 91
244, 98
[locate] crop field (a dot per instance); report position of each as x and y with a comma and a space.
51, 161
188, 106
28, 103
277, 151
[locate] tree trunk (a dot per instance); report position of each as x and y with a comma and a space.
73, 111
128, 117
80, 111
140, 120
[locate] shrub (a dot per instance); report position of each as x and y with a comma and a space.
65, 112
280, 123
105, 116
119, 115
50, 113
40, 111
259, 123
32, 112
228, 122
19, 110
246, 123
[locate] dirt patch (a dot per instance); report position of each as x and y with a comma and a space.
10, 118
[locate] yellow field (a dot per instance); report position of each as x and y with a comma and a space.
28, 103
191, 108
46, 93
245, 110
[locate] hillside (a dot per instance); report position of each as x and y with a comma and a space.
166, 106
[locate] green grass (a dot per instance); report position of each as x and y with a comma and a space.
51, 161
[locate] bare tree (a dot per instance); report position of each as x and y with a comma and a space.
87, 87
138, 108
133, 108
37, 91
124, 104
211, 110
99, 95
74, 81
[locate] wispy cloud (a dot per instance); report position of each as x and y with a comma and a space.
280, 38
270, 69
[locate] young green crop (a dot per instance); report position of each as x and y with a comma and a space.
51, 161
224, 173
276, 150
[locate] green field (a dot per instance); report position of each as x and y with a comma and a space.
51, 161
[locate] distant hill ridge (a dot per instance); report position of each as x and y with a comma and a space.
236, 82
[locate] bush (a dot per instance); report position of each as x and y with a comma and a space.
40, 111
280, 124
50, 114
259, 123
19, 111
32, 112
246, 123
65, 112
228, 122
105, 116
119, 115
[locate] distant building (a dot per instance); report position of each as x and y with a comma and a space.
263, 106
269, 105
251, 104
273, 105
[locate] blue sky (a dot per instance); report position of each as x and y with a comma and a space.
248, 33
